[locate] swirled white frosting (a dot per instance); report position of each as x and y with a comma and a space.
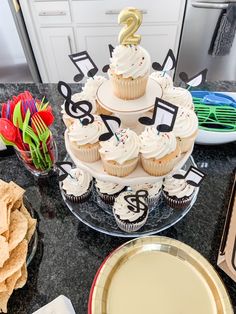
152, 188
177, 187
130, 61
86, 134
125, 149
154, 145
78, 184
162, 79
91, 86
108, 187
186, 123
121, 209
178, 96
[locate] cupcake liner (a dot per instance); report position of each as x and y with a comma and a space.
160, 167
87, 153
130, 227
79, 199
115, 169
101, 110
106, 198
186, 143
177, 203
128, 88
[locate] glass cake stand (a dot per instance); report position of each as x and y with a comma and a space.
95, 214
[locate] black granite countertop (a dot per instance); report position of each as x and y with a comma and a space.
69, 253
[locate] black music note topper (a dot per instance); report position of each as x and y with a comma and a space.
84, 64
168, 64
78, 110
193, 176
135, 204
106, 67
195, 80
112, 124
164, 116
64, 167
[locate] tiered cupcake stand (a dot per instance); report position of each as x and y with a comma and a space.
97, 215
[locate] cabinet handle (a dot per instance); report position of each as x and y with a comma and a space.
69, 40
208, 5
52, 13
116, 12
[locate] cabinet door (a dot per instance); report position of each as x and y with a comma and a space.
156, 39
56, 45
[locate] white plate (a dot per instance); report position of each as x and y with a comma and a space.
215, 138
109, 101
138, 176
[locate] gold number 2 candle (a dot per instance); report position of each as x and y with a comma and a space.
132, 19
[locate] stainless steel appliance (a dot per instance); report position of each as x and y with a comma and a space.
200, 22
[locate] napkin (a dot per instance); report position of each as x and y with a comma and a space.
60, 305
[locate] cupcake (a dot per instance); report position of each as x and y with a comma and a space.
77, 186
84, 139
120, 154
129, 71
129, 220
90, 90
153, 189
178, 96
159, 151
177, 192
185, 128
108, 191
77, 97
163, 79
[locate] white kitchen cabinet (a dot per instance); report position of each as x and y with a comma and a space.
57, 44
59, 28
156, 39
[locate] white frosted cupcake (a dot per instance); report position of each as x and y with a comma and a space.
120, 157
159, 151
177, 192
127, 219
77, 186
77, 97
108, 191
84, 139
186, 128
90, 89
163, 79
178, 96
153, 189
129, 71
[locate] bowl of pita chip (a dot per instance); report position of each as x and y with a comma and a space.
17, 238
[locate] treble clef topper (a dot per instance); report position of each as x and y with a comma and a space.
78, 110
135, 204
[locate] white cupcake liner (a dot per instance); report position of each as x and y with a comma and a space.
118, 170
87, 154
129, 226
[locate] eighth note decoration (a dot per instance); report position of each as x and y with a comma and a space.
112, 124
78, 110
65, 168
195, 80
193, 176
84, 64
168, 64
164, 116
106, 67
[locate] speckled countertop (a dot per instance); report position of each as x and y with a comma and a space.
69, 253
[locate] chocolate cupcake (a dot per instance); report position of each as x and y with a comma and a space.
178, 193
129, 217
153, 189
108, 191
77, 186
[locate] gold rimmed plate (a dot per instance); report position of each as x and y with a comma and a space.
157, 275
